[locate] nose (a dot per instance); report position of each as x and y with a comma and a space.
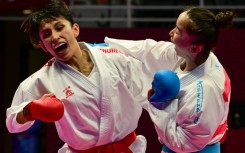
55, 36
171, 32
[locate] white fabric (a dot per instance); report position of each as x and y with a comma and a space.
188, 123
95, 113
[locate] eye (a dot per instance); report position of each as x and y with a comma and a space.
177, 31
46, 34
59, 27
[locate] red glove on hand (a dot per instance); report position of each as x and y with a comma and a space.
49, 109
150, 93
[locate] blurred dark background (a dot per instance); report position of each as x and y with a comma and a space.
129, 19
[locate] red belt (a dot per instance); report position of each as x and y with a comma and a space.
115, 147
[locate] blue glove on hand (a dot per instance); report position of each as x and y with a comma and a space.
165, 86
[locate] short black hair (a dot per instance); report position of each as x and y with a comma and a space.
53, 10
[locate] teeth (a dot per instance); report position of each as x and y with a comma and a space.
58, 45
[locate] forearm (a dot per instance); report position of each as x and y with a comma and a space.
134, 48
15, 121
155, 55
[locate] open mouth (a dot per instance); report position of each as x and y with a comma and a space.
60, 47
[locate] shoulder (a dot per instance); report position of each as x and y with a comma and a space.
113, 55
111, 51
40, 75
218, 73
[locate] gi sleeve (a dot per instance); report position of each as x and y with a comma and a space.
20, 100
155, 55
139, 80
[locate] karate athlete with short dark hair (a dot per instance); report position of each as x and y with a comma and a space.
92, 94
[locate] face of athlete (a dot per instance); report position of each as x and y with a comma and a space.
58, 38
180, 37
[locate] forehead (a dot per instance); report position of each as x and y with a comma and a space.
181, 24
182, 20
51, 20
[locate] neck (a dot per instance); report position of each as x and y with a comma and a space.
190, 65
82, 63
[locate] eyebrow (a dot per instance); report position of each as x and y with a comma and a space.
45, 29
178, 28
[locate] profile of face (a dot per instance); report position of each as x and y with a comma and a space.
58, 37
180, 37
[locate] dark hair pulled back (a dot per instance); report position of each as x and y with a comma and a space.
205, 26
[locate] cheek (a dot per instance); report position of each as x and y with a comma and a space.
46, 45
176, 40
180, 45
179, 42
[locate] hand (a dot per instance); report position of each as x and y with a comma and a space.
165, 86
47, 108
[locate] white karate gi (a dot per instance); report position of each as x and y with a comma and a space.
99, 109
198, 117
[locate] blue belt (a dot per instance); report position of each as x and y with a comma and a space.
214, 148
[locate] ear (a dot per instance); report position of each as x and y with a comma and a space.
41, 45
196, 49
76, 29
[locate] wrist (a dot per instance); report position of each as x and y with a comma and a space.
27, 113
21, 118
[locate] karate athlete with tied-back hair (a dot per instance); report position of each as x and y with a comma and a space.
196, 121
